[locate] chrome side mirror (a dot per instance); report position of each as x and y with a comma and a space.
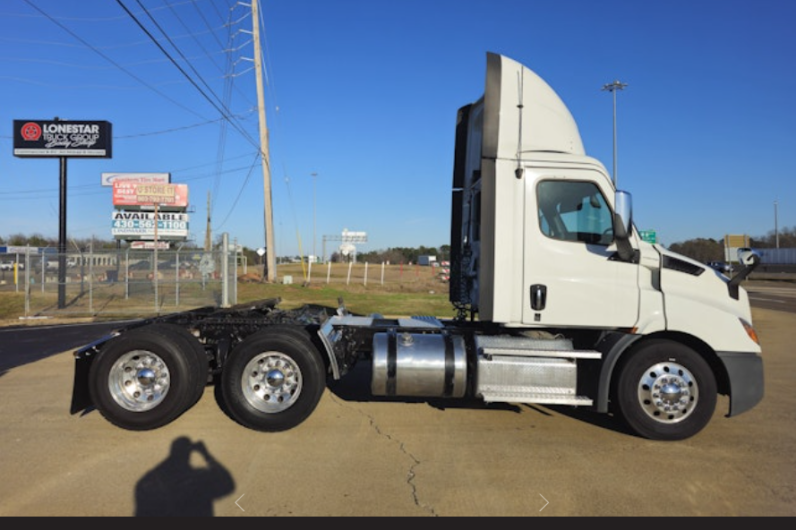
750, 260
623, 226
748, 257
623, 207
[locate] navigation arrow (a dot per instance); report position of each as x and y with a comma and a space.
546, 502
239, 506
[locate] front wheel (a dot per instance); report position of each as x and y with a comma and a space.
273, 380
665, 391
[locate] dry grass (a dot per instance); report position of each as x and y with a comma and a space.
391, 290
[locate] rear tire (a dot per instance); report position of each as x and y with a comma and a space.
273, 380
665, 391
191, 346
145, 378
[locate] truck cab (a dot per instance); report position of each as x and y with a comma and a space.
541, 240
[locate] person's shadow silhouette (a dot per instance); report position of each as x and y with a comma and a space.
176, 488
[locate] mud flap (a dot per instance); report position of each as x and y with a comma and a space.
81, 399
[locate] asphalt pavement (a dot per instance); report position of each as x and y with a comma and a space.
361, 456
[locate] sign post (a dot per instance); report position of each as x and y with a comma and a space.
62, 139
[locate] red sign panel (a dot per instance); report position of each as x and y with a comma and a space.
149, 194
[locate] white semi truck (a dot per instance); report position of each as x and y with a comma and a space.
557, 299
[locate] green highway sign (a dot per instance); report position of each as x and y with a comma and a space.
649, 236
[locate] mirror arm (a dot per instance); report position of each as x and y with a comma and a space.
736, 280
623, 247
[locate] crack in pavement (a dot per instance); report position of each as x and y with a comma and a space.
410, 475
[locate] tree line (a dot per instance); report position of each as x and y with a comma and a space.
705, 250
700, 249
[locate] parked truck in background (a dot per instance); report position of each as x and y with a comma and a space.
427, 260
557, 299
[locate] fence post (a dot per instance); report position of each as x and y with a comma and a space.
43, 264
127, 273
177, 278
365, 282
235, 272
382, 273
90, 277
224, 270
328, 271
27, 279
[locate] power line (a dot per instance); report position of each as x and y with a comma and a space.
95, 50
223, 111
93, 19
240, 192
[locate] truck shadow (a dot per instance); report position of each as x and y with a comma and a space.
598, 419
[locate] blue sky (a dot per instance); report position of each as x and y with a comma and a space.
364, 94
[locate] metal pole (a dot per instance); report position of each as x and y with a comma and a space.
314, 223
127, 273
155, 278
225, 270
62, 238
235, 271
177, 277
613, 87
614, 97
776, 227
91, 276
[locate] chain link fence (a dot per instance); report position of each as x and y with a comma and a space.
120, 282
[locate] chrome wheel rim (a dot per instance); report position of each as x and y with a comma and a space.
271, 382
668, 392
139, 381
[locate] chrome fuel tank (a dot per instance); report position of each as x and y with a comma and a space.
413, 364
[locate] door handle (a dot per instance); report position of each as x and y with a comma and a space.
538, 297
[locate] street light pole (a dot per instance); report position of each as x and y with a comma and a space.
613, 87
314, 225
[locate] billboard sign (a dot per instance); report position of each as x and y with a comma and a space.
128, 195
141, 225
733, 242
146, 178
56, 138
354, 237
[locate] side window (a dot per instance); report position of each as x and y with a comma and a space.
574, 211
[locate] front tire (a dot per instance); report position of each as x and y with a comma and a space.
273, 380
145, 378
665, 391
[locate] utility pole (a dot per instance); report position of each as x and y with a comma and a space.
269, 274
613, 87
776, 227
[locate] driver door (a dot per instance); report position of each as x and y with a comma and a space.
572, 276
